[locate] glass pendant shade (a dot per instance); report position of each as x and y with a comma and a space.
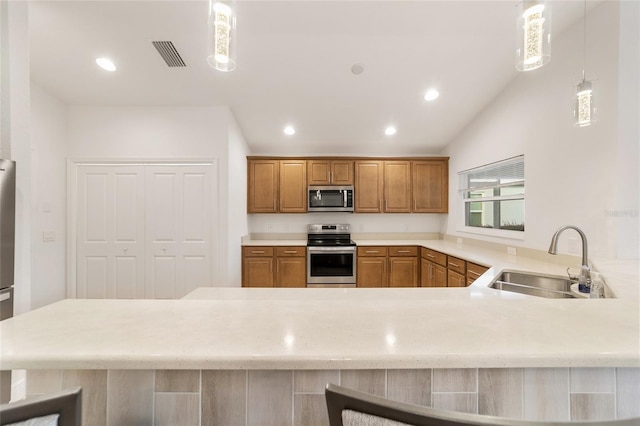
222, 35
584, 109
534, 35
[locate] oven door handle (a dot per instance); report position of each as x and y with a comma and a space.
331, 249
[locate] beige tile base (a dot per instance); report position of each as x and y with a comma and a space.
285, 397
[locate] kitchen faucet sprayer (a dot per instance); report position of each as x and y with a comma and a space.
584, 282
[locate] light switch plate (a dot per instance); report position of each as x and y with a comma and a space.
512, 251
48, 236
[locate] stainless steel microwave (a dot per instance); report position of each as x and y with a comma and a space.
330, 199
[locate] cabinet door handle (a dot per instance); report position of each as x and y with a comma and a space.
329, 175
430, 256
432, 270
473, 273
455, 265
257, 251
372, 251
404, 251
414, 205
290, 251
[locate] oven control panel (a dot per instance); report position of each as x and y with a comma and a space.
328, 228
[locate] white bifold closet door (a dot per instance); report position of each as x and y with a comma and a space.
143, 231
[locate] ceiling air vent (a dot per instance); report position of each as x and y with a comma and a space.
168, 51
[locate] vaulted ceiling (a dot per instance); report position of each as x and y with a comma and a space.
294, 62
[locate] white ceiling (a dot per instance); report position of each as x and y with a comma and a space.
293, 65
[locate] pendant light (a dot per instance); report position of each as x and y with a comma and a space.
222, 34
534, 35
584, 110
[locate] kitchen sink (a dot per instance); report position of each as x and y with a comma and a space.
549, 286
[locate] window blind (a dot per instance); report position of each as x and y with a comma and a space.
501, 180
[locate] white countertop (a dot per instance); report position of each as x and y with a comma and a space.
252, 328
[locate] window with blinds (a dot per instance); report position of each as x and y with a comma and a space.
493, 195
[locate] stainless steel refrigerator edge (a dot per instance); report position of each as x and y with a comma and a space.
7, 254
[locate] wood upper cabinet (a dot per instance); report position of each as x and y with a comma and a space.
262, 191
330, 172
397, 187
430, 186
386, 185
293, 186
369, 186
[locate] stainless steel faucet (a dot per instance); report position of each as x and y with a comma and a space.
584, 281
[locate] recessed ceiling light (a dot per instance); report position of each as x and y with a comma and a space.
357, 69
390, 131
289, 130
432, 94
106, 64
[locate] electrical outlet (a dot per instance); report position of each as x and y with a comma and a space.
459, 240
512, 251
48, 236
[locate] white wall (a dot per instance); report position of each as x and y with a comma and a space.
48, 187
237, 218
570, 172
360, 222
625, 216
149, 132
16, 144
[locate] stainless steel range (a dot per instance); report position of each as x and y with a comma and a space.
331, 256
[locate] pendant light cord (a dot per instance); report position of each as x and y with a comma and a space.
584, 41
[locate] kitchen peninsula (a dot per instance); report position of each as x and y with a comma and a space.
262, 356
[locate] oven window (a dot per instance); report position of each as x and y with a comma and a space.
331, 265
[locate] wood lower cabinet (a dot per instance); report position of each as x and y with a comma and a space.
403, 266
474, 271
257, 267
274, 266
371, 267
291, 267
455, 279
395, 266
433, 271
368, 186
432, 275
330, 172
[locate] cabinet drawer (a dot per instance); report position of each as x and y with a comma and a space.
456, 264
434, 256
474, 271
403, 251
290, 251
372, 251
257, 251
